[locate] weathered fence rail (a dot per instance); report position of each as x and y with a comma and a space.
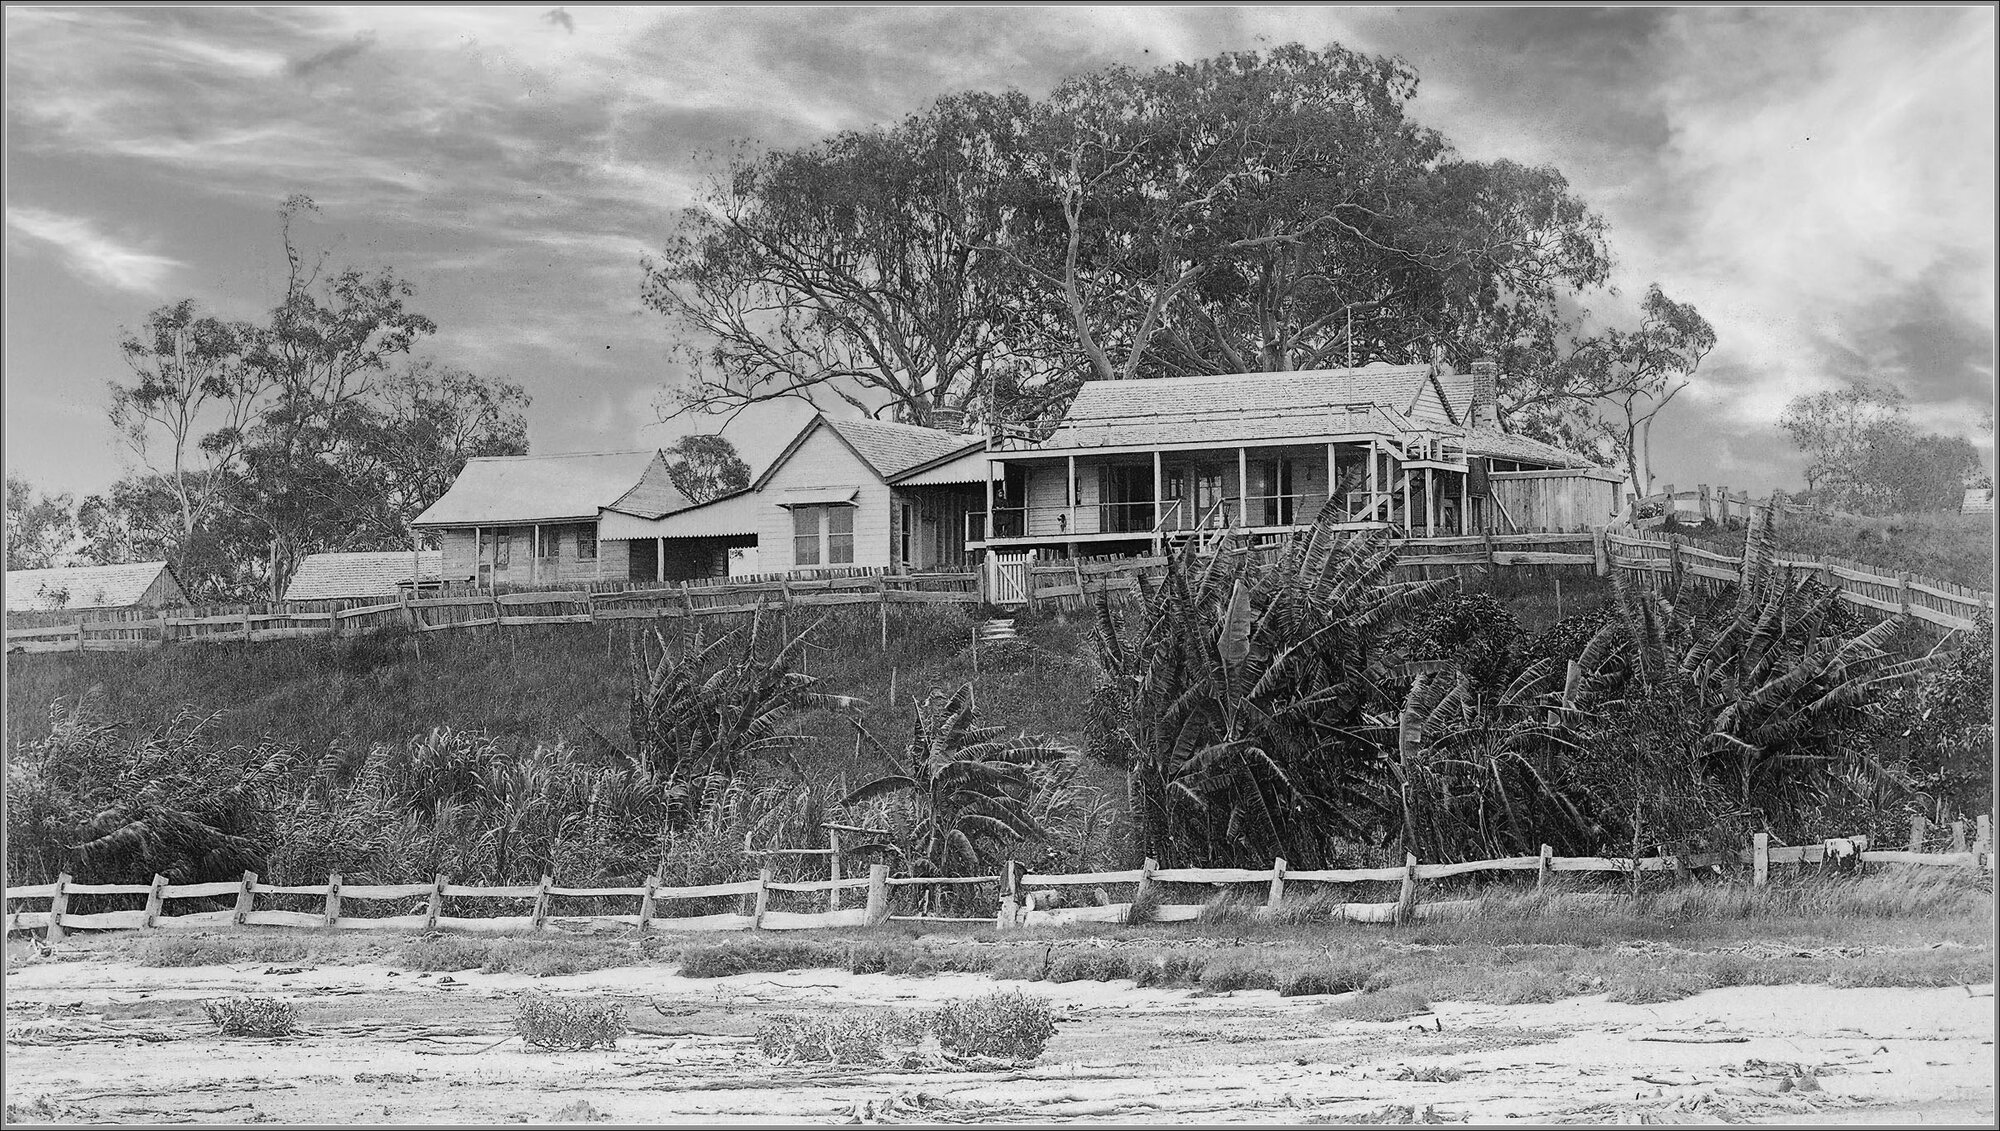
129, 630
1019, 892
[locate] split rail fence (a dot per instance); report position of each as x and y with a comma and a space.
1020, 892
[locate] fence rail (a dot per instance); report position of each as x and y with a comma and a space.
1020, 892
146, 629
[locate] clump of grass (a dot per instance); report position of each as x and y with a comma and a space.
1091, 965
1222, 979
847, 1036
184, 950
1928, 969
445, 953
252, 1016
1524, 987
549, 958
1651, 986
1009, 1025
1228, 908
1168, 970
724, 959
1326, 978
569, 1023
1392, 1004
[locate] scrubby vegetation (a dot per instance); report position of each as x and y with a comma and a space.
252, 1016
564, 1023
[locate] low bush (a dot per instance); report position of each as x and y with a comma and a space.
1010, 1025
252, 1016
1392, 1004
569, 1023
1092, 965
848, 1036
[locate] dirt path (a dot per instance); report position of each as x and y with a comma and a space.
89, 1041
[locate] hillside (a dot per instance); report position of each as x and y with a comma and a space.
1949, 547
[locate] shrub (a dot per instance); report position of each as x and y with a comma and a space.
850, 1036
1393, 1004
252, 1016
1010, 1025
1089, 966
1338, 978
569, 1023
544, 958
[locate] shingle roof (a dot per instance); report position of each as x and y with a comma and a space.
892, 449
1242, 406
654, 495
82, 587
1495, 444
326, 577
494, 490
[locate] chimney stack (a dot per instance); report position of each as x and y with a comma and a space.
1485, 393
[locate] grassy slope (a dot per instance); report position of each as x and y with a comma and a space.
1950, 547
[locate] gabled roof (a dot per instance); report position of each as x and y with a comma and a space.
327, 577
890, 450
84, 587
498, 490
1247, 406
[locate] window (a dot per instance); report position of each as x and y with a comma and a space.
548, 541
805, 536
822, 535
840, 535
586, 543
503, 548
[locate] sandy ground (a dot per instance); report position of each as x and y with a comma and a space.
90, 1041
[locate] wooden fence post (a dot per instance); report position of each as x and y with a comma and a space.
1958, 835
833, 869
540, 919
155, 899
58, 903
1722, 505
1983, 841
1276, 895
1144, 895
79, 636
1680, 855
1702, 499
878, 893
1600, 545
246, 898
1903, 584
1760, 859
434, 909
1406, 903
1542, 869
1674, 561
1917, 830
646, 904
763, 898
332, 912
1010, 895
882, 606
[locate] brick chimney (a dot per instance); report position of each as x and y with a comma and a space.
1485, 393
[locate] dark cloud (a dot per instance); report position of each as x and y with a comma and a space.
332, 56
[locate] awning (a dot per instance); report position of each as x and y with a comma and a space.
817, 496
969, 468
728, 516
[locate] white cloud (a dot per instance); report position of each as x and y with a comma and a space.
92, 253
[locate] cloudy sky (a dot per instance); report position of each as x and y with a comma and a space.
1819, 182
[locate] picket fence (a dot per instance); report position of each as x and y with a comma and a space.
1020, 892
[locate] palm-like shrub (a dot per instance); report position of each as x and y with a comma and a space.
1232, 699
969, 786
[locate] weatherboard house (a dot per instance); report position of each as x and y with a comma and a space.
843, 494
1137, 465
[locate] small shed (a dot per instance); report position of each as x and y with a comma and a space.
137, 585
334, 577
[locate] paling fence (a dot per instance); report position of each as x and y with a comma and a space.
1021, 897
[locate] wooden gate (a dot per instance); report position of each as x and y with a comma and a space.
1007, 577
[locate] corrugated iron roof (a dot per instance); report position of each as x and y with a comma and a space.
81, 587
1495, 444
327, 577
1240, 406
892, 449
496, 490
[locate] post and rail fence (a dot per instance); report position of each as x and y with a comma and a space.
1970, 846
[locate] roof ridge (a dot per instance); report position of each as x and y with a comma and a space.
569, 455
